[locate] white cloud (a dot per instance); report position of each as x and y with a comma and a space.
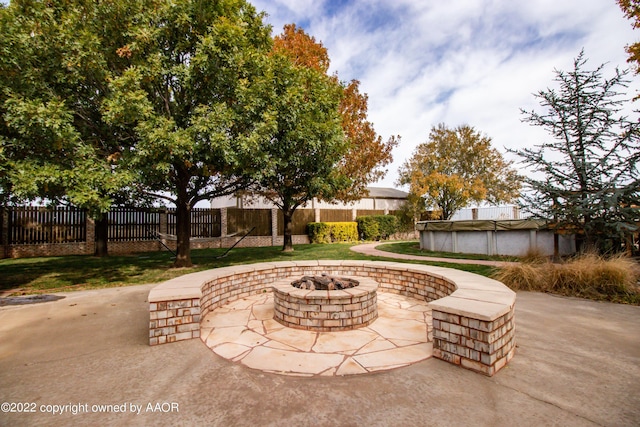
475, 61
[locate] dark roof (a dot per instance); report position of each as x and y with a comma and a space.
386, 193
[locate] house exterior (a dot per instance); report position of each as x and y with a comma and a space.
379, 198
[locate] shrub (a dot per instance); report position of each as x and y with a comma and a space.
368, 228
330, 232
319, 232
587, 276
377, 227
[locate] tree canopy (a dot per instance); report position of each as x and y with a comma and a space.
306, 142
54, 69
367, 153
55, 65
456, 167
321, 146
590, 178
185, 94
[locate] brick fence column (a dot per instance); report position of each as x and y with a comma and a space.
274, 226
223, 222
90, 245
164, 227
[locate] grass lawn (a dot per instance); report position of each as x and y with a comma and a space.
413, 248
56, 274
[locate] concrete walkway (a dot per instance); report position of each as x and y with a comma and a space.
577, 364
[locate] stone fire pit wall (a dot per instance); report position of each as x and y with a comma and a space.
325, 311
473, 316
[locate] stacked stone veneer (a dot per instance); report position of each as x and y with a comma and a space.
325, 311
473, 318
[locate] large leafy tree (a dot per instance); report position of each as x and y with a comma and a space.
367, 153
456, 167
306, 142
56, 59
186, 92
588, 178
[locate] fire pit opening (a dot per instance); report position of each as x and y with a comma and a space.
325, 303
324, 283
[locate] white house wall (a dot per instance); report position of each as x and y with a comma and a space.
362, 204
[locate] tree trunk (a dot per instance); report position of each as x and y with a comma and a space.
183, 222
101, 236
183, 234
288, 230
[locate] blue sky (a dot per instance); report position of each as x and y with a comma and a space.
474, 62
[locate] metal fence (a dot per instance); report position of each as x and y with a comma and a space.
130, 224
37, 225
204, 222
29, 225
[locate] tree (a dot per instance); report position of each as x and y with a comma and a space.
306, 142
456, 167
590, 168
55, 64
631, 9
197, 130
367, 153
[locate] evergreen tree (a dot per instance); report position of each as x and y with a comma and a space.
587, 176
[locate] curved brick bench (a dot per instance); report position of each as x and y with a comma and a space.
473, 316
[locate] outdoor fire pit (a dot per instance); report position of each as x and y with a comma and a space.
325, 303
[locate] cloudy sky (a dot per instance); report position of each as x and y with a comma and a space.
475, 62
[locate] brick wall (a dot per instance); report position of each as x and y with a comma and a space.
479, 336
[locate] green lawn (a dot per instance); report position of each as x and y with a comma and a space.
54, 274
413, 248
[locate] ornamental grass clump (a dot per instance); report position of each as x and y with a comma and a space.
586, 276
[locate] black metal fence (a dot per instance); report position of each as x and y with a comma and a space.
37, 225
28, 225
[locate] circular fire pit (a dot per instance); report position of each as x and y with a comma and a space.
325, 310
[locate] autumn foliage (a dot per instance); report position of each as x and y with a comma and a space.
368, 153
456, 167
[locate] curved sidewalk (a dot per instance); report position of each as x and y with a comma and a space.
370, 249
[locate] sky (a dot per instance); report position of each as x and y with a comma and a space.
473, 62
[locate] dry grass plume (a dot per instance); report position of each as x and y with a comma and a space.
586, 276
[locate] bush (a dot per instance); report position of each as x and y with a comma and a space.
587, 276
368, 228
331, 232
377, 227
319, 232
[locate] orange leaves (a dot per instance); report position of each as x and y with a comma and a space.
368, 153
302, 48
124, 52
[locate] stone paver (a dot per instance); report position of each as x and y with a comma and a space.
244, 331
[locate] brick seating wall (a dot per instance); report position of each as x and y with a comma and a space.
473, 320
